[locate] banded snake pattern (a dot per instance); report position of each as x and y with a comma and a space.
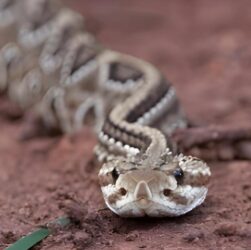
51, 65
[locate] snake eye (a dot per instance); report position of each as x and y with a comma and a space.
178, 174
115, 174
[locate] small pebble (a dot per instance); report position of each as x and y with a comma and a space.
132, 237
193, 236
226, 229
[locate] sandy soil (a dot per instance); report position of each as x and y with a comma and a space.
203, 47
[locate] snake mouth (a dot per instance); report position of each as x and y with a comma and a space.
143, 203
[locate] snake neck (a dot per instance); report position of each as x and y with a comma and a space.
127, 129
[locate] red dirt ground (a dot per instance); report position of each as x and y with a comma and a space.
203, 47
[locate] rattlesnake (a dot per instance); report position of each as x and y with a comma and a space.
53, 67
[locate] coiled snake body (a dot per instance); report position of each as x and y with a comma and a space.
60, 72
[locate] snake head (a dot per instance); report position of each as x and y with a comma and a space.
173, 188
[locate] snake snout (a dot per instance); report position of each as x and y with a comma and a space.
142, 191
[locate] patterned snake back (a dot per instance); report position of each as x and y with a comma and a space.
49, 64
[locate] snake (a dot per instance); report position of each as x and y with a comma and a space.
57, 69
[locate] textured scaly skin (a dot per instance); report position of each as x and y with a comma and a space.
61, 72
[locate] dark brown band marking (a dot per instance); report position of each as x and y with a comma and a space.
64, 37
84, 55
150, 101
121, 73
46, 16
126, 137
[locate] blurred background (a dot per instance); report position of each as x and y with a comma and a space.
201, 46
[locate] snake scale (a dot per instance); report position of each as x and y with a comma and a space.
51, 65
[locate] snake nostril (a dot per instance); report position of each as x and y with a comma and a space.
122, 191
166, 192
